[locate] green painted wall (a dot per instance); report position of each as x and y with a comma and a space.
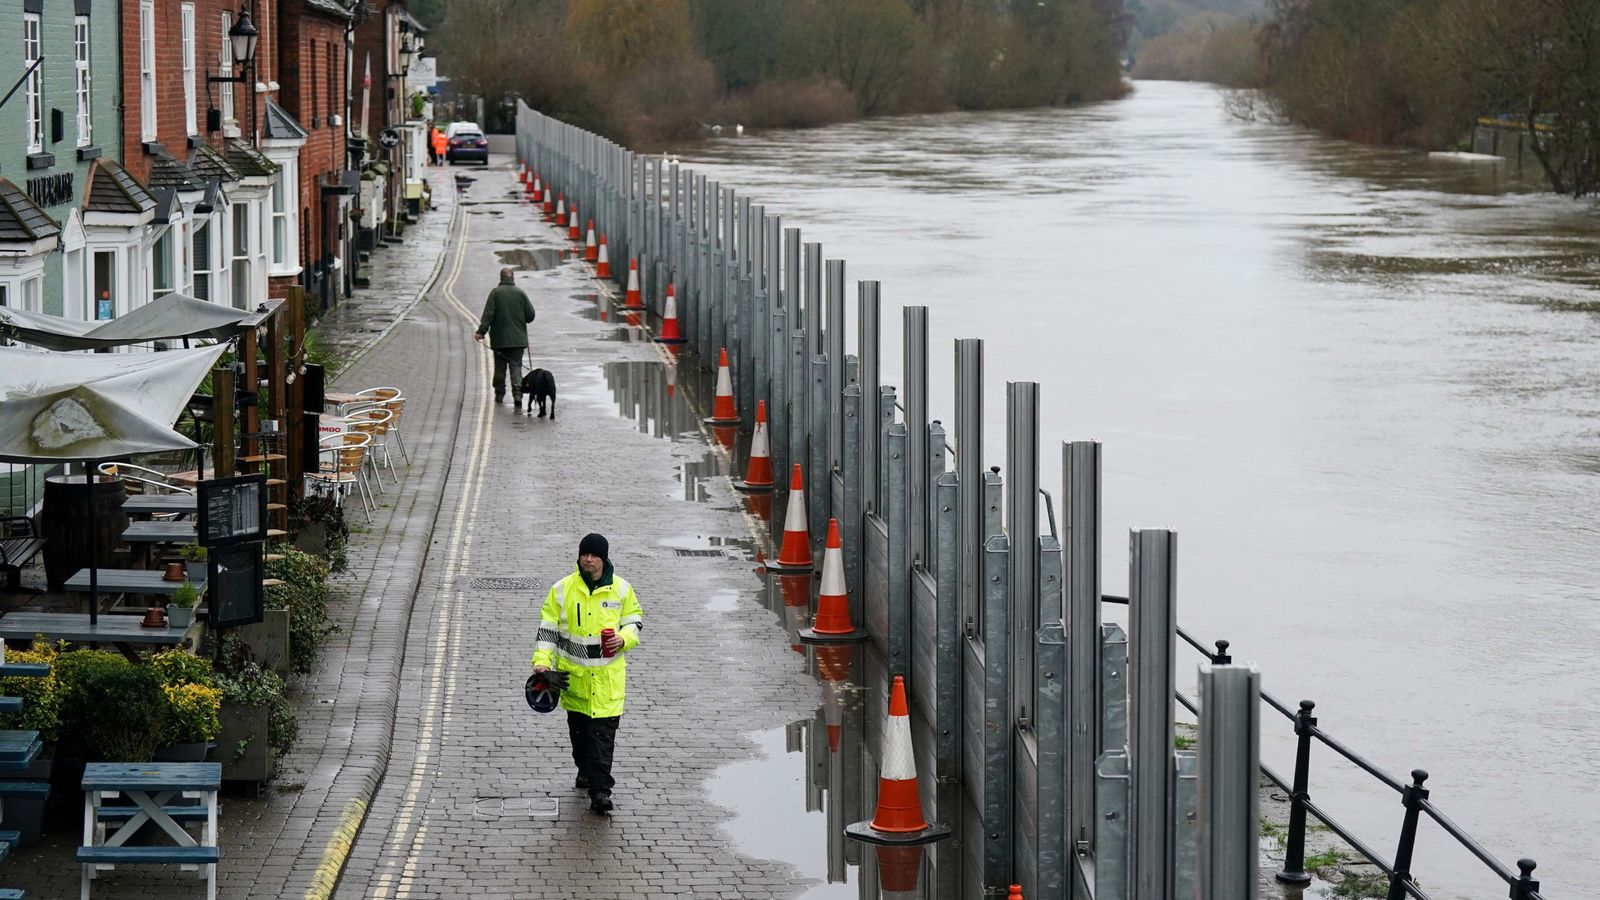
105, 55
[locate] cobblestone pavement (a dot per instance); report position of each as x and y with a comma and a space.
420, 772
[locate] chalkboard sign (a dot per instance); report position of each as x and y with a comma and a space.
233, 588
232, 510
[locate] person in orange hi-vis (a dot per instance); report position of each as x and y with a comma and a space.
437, 146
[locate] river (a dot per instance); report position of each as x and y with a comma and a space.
1360, 383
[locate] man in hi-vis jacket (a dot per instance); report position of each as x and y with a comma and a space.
572, 638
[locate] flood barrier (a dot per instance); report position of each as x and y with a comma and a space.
1043, 733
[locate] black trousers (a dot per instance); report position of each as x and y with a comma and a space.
593, 742
508, 359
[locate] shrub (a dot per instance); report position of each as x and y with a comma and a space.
305, 594
247, 684
192, 712
792, 104
317, 520
175, 667
192, 552
114, 708
41, 697
185, 596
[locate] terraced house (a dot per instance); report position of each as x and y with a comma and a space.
60, 135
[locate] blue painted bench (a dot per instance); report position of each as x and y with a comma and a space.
150, 786
10, 704
176, 813
12, 894
24, 670
191, 856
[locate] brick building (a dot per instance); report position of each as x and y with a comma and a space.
386, 40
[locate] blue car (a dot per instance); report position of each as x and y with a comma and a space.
467, 145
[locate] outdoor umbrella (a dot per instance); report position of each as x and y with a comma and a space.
73, 407
169, 317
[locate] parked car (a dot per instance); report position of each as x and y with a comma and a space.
466, 144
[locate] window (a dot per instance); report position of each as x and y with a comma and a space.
33, 294
200, 252
147, 70
241, 254
80, 46
283, 254
30, 55
227, 68
105, 284
333, 81
161, 281
311, 70
190, 121
72, 284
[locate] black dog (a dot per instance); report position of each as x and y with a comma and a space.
538, 386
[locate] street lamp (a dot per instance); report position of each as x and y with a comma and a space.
242, 37
407, 51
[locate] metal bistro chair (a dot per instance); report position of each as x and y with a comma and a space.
341, 458
141, 480
391, 399
374, 422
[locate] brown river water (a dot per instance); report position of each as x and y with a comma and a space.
1362, 384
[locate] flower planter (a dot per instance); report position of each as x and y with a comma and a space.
197, 752
179, 616
26, 814
242, 747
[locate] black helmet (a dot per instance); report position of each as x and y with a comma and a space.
543, 690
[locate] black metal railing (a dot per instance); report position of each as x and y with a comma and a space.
1414, 798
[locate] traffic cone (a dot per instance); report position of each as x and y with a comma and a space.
548, 209
572, 224
898, 871
633, 299
669, 321
672, 381
833, 606
1015, 893
899, 804
758, 471
602, 268
561, 210
722, 408
795, 554
531, 190
761, 505
591, 250
833, 711
833, 662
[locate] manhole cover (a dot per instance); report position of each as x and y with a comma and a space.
516, 807
506, 584
682, 552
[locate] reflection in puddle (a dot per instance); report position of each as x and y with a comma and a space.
525, 260
723, 601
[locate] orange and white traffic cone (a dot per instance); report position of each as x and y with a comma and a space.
898, 820
795, 553
549, 210
633, 299
591, 250
561, 210
669, 321
833, 710
833, 604
602, 268
758, 471
572, 224
722, 408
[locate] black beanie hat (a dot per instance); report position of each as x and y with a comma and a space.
595, 544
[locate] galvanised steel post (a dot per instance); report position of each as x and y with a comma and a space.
1080, 476
811, 307
1230, 767
1050, 705
936, 466
1294, 850
914, 334
886, 405
969, 475
799, 381
850, 520
813, 302
1185, 820
778, 408
997, 719
1113, 863
1152, 575
821, 499
1022, 524
655, 285
1412, 797
947, 690
760, 307
895, 476
834, 340
868, 306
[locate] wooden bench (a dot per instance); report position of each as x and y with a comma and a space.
151, 786
19, 544
189, 856
175, 813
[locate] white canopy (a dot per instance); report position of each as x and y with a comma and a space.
169, 317
73, 406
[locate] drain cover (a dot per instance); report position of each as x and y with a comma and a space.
682, 552
516, 807
506, 584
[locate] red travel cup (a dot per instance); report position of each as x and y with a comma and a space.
606, 634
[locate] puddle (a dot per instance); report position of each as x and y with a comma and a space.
526, 260
770, 797
723, 601
711, 545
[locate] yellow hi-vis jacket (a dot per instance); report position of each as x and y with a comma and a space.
569, 641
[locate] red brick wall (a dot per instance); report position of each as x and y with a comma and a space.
313, 94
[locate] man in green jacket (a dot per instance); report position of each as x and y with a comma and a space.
573, 624
506, 315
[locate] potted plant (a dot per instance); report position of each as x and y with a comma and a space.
192, 722
25, 791
194, 560
111, 709
257, 720
180, 609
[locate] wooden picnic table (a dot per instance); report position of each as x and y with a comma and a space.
159, 533
124, 632
130, 581
150, 786
146, 504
